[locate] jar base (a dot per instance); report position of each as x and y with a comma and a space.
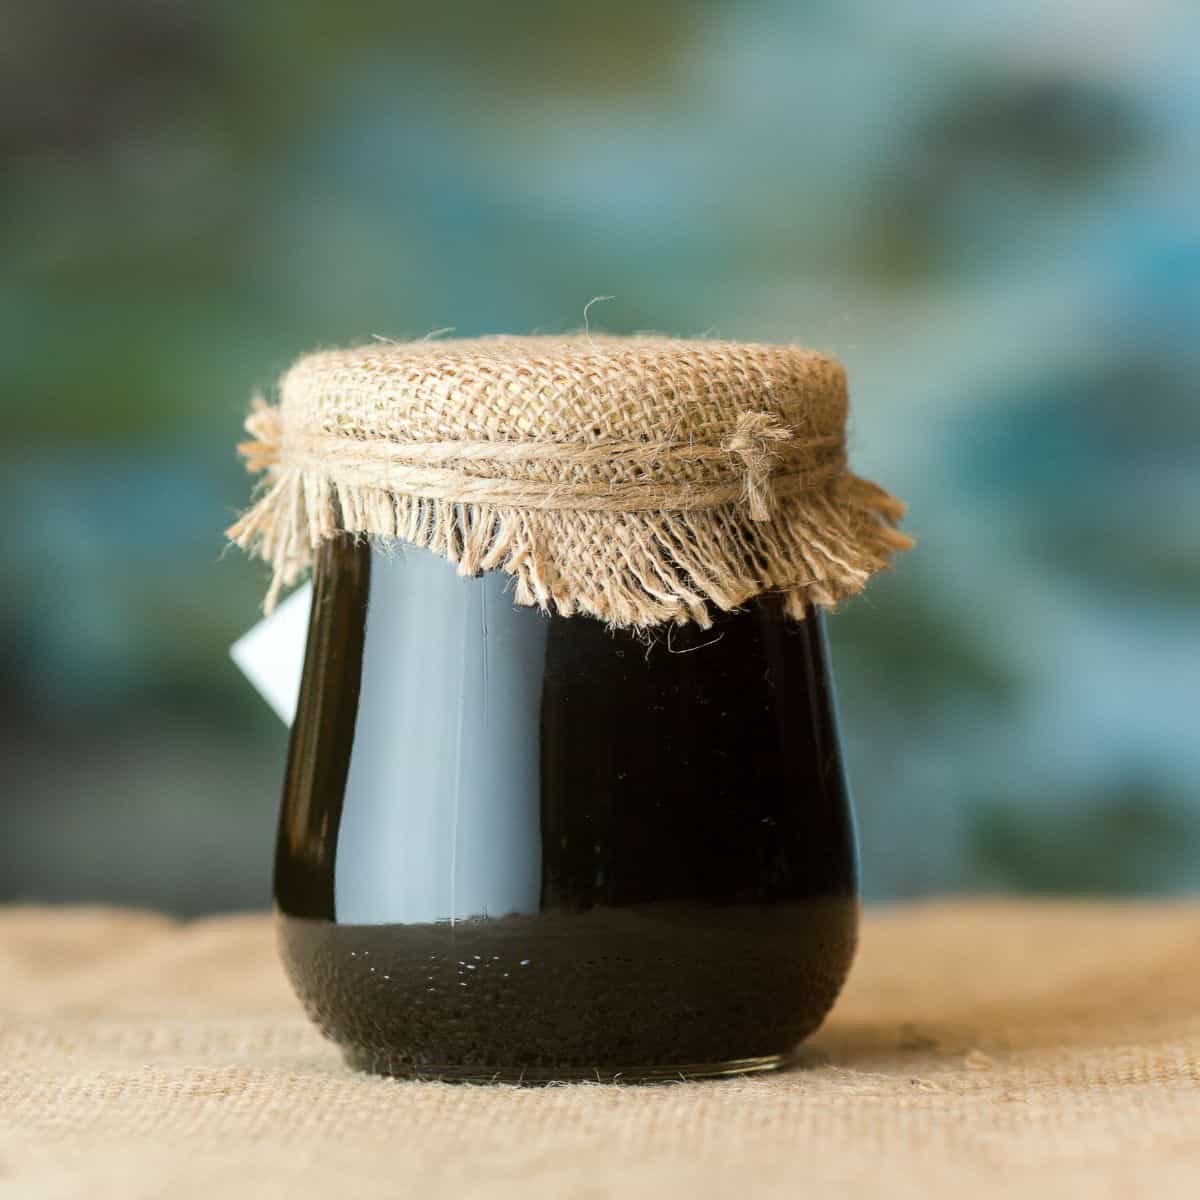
376, 1062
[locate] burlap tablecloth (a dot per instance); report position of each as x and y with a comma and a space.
981, 1049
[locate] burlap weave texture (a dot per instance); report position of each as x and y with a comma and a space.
637, 480
981, 1050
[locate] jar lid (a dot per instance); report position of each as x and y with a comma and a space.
638, 480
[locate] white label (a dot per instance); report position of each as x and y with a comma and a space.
271, 655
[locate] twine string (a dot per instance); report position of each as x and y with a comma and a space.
435, 470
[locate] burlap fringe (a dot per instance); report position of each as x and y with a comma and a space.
638, 569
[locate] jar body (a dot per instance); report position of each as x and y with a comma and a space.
526, 847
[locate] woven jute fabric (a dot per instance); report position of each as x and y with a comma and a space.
637, 480
981, 1050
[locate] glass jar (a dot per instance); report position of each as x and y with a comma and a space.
526, 847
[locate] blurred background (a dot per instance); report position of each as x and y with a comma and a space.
989, 212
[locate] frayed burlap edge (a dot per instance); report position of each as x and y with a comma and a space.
635, 568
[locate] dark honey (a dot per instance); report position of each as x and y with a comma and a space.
525, 847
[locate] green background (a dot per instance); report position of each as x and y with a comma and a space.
989, 212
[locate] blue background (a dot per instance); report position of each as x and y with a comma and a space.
989, 212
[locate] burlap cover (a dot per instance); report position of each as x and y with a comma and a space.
638, 480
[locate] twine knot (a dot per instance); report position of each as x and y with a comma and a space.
264, 426
755, 441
